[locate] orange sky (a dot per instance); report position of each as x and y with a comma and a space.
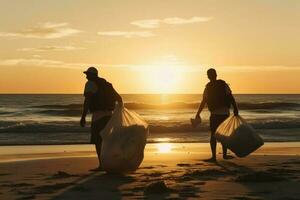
150, 46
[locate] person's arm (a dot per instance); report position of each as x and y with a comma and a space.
117, 97
85, 110
232, 100
202, 104
235, 108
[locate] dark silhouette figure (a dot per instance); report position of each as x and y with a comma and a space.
218, 97
100, 100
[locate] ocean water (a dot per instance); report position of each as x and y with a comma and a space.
54, 119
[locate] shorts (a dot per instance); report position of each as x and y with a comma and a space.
96, 127
215, 121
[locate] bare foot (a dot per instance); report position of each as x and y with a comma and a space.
228, 157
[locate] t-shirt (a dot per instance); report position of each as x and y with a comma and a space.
91, 87
223, 110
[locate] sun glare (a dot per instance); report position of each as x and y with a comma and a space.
164, 80
164, 147
164, 76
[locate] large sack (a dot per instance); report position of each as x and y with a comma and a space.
238, 136
123, 141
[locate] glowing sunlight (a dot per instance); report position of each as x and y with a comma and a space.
164, 147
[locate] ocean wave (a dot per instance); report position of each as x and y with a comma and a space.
179, 105
73, 127
61, 112
76, 109
35, 127
268, 105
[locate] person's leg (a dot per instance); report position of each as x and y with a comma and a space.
213, 146
213, 141
224, 151
98, 150
96, 139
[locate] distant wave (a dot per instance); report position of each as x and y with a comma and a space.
73, 127
75, 109
268, 105
12, 133
57, 127
35, 127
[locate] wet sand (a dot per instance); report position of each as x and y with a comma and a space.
169, 171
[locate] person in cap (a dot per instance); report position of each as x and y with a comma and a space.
218, 97
100, 99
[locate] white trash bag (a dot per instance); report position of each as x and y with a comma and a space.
238, 136
123, 141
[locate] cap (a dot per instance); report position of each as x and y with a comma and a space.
91, 70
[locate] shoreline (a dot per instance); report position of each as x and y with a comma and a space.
37, 152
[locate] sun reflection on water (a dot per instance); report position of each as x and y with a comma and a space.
164, 147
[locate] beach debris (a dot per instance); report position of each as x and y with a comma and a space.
260, 176
158, 187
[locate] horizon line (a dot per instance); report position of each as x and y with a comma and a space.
148, 93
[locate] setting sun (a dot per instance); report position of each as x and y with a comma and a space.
163, 76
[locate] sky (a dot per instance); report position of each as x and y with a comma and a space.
157, 46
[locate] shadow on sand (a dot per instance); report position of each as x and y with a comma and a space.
98, 185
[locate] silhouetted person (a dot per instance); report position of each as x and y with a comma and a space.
100, 99
218, 97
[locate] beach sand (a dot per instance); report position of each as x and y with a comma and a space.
169, 171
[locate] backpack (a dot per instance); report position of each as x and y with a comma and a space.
217, 96
105, 98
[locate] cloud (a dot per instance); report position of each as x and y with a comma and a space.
52, 48
149, 23
178, 20
255, 68
155, 23
48, 30
36, 56
168, 61
38, 61
152, 24
30, 62
127, 34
